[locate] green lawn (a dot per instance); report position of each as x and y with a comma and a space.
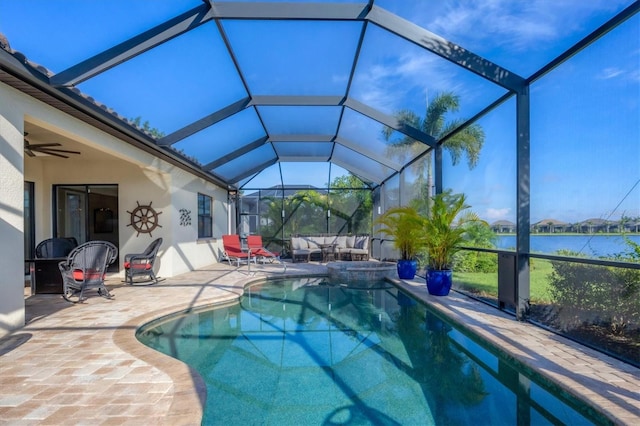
487, 283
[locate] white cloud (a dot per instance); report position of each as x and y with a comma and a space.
339, 78
608, 73
384, 84
523, 25
492, 214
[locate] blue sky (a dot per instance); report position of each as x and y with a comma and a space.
585, 116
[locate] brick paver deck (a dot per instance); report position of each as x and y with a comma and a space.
81, 364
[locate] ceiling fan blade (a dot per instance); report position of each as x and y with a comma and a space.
46, 148
54, 153
60, 150
42, 145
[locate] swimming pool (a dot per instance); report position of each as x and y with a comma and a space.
309, 351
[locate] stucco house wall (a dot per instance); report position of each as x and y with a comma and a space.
11, 213
141, 178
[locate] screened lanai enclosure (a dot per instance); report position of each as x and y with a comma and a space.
317, 117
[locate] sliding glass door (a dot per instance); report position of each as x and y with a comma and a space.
86, 212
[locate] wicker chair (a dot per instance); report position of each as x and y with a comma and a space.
55, 247
85, 268
141, 264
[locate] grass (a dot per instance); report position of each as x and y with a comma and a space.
487, 283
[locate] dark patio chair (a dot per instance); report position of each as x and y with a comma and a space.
141, 264
55, 247
85, 268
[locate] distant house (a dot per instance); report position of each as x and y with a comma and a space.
503, 227
550, 226
614, 226
632, 226
593, 226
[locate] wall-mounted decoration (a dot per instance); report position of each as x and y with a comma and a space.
103, 221
185, 217
144, 219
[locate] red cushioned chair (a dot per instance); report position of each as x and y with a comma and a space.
141, 264
254, 242
85, 268
233, 249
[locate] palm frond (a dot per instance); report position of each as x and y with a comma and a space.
442, 238
434, 120
405, 225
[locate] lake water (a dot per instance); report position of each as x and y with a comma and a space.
589, 245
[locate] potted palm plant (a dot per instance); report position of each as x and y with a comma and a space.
444, 236
405, 226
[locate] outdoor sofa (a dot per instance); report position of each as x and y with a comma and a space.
341, 247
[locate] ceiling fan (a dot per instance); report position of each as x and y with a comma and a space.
45, 148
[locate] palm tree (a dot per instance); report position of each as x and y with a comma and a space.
468, 142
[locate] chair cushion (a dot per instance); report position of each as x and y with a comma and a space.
78, 275
314, 242
298, 243
362, 242
330, 239
358, 251
145, 265
341, 241
351, 241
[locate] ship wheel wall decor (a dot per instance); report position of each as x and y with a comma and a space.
144, 219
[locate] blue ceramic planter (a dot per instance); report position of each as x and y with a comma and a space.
407, 269
439, 281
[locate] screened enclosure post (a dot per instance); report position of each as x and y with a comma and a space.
328, 213
401, 188
437, 175
523, 155
376, 237
282, 217
258, 215
234, 215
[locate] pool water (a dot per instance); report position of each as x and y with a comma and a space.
312, 352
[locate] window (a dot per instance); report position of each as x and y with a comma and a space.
205, 224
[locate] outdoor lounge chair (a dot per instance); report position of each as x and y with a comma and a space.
141, 264
233, 249
85, 268
254, 242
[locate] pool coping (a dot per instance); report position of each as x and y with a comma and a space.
598, 380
